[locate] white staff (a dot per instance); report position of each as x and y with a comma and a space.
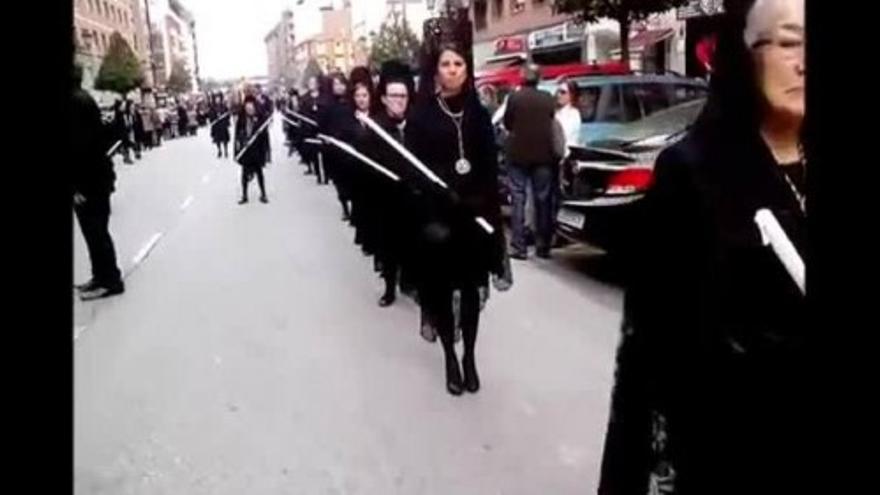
253, 138
296, 124
417, 163
357, 154
304, 118
772, 235
113, 148
219, 119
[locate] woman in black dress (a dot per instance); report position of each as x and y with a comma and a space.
360, 189
714, 334
309, 108
451, 133
220, 119
253, 159
335, 116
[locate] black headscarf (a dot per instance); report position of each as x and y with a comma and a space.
394, 71
453, 31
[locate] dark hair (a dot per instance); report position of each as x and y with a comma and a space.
572, 89
360, 76
734, 104
453, 32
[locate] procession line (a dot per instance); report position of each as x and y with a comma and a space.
189, 199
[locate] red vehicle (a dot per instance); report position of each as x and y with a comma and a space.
505, 79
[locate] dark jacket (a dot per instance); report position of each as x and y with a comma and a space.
92, 169
255, 155
714, 333
529, 119
219, 129
464, 253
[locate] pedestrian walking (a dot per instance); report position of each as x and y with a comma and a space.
149, 126
334, 119
123, 127
250, 142
220, 119
309, 108
182, 119
93, 183
191, 120
715, 335
139, 130
292, 132
569, 118
532, 161
451, 133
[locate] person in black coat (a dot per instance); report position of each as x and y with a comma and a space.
291, 104
452, 134
251, 141
335, 118
93, 183
309, 106
220, 119
182, 120
712, 362
122, 129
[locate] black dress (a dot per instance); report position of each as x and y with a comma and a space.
255, 156
714, 333
453, 249
220, 129
336, 119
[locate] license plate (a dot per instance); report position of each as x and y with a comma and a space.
571, 218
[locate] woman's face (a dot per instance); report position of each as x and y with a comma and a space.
338, 87
451, 72
775, 31
563, 95
396, 99
250, 108
362, 98
313, 84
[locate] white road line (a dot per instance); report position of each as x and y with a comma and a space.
77, 331
189, 199
142, 254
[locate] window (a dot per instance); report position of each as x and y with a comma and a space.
91, 5
104, 41
653, 97
684, 93
588, 103
106, 10
618, 104
517, 6
497, 8
632, 107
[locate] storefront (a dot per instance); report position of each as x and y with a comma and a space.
702, 23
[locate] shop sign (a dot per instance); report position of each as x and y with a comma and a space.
560, 34
510, 44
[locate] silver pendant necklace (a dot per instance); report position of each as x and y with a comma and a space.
462, 165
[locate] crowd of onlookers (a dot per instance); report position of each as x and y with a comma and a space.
140, 126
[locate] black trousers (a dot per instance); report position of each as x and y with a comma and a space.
436, 299
246, 173
94, 220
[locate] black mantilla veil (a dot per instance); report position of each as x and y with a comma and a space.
452, 31
394, 71
360, 76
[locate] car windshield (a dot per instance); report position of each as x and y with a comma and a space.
664, 122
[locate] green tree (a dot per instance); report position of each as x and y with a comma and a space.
395, 41
180, 80
120, 70
622, 11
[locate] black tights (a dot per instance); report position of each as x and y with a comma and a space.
438, 302
224, 149
245, 177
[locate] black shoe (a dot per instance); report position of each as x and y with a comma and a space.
264, 199
219, 154
346, 217
427, 332
453, 377
517, 255
101, 292
387, 300
471, 378
86, 287
242, 201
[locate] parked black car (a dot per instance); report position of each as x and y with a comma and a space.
605, 180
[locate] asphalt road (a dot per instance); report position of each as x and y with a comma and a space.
248, 355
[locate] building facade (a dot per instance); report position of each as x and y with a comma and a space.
332, 48
94, 22
509, 32
173, 38
281, 51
